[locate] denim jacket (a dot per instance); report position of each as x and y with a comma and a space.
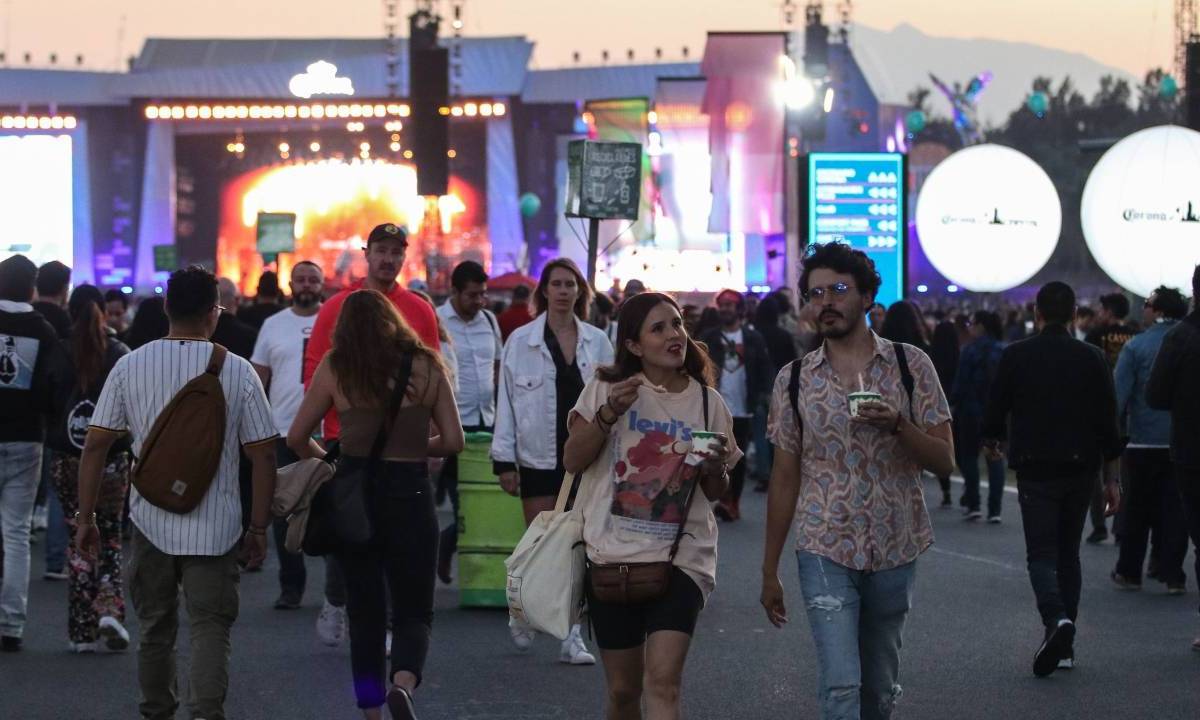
1146, 426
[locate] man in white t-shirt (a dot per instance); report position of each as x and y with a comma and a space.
279, 360
744, 375
197, 550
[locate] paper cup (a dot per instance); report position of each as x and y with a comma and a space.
863, 396
704, 443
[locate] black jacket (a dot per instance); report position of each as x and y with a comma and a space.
237, 337
27, 345
56, 316
1059, 394
1175, 385
72, 407
759, 373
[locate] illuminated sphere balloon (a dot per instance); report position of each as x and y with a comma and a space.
988, 218
1168, 87
1141, 209
1038, 103
530, 204
914, 121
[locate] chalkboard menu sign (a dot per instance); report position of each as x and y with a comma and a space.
276, 233
604, 179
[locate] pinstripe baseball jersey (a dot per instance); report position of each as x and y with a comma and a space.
138, 388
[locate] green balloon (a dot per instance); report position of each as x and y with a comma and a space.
1038, 103
914, 121
530, 204
1168, 87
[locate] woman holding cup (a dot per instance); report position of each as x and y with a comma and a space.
649, 435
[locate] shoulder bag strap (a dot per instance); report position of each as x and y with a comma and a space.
393, 407
906, 377
217, 360
687, 505
794, 394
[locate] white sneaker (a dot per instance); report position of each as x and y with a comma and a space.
522, 635
81, 648
574, 652
114, 634
331, 625
41, 519
994, 519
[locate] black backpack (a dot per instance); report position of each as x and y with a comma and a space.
906, 379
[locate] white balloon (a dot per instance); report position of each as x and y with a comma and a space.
1141, 210
988, 218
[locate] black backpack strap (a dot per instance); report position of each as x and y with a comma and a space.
704, 402
906, 377
794, 394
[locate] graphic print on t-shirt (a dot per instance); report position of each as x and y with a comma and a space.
18, 355
650, 494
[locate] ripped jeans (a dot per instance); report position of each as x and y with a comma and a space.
857, 620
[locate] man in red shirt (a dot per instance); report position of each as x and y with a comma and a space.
386, 248
517, 314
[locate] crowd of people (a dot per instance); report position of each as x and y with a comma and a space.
828, 402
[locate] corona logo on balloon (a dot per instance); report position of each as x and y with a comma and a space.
1141, 210
988, 218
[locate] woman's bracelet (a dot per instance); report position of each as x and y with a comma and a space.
600, 415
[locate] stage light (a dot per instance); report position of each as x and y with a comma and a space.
380, 111
988, 218
355, 111
408, 154
284, 147
304, 112
125, 289
230, 147
56, 122
395, 146
255, 112
798, 93
364, 146
318, 112
151, 112
456, 111
243, 112
498, 109
922, 288
827, 105
451, 153
240, 147
205, 112
951, 288
44, 123
191, 112
652, 117
6, 122
177, 113
393, 109
343, 111
443, 110
405, 110
331, 111
1140, 210
164, 111
314, 146
471, 109
284, 156
485, 109
218, 112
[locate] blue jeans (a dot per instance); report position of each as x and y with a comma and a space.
20, 471
857, 620
56, 524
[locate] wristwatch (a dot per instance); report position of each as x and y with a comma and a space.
79, 518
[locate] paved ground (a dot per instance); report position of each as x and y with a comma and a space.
968, 650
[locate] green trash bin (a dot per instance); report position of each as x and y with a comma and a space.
475, 462
482, 578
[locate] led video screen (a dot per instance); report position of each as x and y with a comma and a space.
36, 198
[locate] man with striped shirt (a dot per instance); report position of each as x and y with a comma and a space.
197, 550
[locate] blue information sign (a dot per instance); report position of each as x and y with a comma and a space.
858, 199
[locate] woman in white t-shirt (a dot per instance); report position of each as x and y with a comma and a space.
630, 433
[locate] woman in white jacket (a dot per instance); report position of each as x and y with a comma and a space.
543, 368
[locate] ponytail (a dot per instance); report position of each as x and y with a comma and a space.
88, 338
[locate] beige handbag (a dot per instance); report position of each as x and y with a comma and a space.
295, 486
545, 571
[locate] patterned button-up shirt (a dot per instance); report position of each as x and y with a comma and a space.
861, 502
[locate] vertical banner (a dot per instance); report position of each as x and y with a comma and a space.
746, 126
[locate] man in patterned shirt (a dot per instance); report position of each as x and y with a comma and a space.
853, 485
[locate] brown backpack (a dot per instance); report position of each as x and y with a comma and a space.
180, 457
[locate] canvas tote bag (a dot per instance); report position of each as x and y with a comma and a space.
545, 571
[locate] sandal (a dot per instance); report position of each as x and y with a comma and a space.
400, 704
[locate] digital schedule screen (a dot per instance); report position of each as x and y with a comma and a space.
858, 199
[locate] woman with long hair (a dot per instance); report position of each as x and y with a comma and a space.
149, 323
903, 324
544, 367
358, 376
96, 601
633, 440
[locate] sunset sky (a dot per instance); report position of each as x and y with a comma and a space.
1130, 34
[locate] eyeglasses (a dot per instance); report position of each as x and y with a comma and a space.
219, 308
837, 289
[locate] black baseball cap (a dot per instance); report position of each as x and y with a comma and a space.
388, 231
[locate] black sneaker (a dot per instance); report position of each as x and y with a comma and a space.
288, 600
1098, 536
1059, 644
10, 644
400, 704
